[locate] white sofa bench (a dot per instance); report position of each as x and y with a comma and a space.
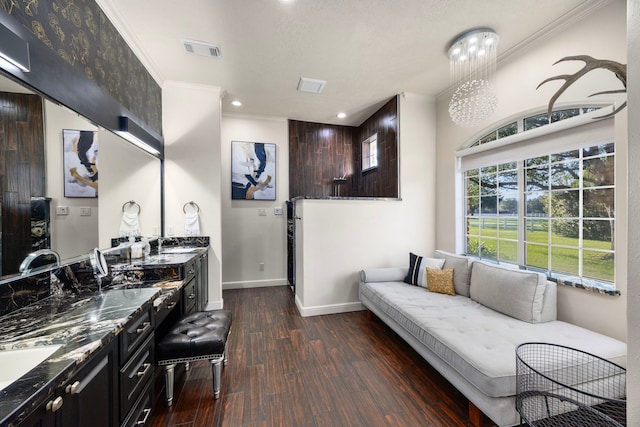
470, 338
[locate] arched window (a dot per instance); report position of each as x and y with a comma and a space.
544, 199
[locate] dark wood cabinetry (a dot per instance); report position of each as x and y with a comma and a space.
137, 364
115, 386
189, 295
202, 277
43, 416
135, 375
90, 396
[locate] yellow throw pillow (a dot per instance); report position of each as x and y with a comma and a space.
440, 281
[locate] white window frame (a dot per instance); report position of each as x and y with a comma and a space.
370, 153
573, 133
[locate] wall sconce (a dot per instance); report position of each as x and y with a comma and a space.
14, 50
140, 137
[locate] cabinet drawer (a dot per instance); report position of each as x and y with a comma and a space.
135, 375
140, 415
189, 271
189, 297
134, 334
167, 306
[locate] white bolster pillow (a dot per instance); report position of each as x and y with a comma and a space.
389, 274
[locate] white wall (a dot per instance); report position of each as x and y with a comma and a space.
633, 289
602, 35
71, 234
249, 239
338, 238
191, 129
127, 173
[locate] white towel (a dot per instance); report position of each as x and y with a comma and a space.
191, 224
130, 225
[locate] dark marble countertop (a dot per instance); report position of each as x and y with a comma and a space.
81, 324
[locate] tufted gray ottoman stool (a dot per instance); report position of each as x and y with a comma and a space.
197, 336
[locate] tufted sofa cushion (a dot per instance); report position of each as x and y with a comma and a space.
476, 341
196, 335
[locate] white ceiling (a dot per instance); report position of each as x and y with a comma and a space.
367, 50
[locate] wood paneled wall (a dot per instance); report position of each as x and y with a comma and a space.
382, 181
318, 153
22, 172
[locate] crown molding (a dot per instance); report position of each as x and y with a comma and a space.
120, 23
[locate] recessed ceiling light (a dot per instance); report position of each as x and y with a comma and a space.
341, 115
236, 103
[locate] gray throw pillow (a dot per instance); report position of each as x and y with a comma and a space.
516, 293
461, 266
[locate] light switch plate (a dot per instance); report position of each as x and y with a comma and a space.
62, 210
277, 211
85, 211
262, 212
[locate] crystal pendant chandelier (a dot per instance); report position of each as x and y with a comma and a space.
472, 61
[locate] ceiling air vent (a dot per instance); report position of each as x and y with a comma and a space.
311, 85
202, 48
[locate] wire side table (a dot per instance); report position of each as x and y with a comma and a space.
562, 386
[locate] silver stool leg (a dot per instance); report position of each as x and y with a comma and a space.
168, 383
216, 368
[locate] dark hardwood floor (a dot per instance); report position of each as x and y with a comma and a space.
333, 370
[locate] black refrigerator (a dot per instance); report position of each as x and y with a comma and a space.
291, 244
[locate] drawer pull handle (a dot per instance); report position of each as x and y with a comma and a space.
144, 328
171, 305
72, 388
54, 405
144, 371
192, 296
191, 271
147, 412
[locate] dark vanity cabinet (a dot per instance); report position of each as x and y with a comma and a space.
190, 289
45, 415
114, 388
90, 396
202, 277
136, 370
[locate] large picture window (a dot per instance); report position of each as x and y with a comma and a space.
553, 213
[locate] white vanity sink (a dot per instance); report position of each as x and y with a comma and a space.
16, 363
178, 250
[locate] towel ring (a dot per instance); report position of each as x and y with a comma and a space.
131, 203
194, 204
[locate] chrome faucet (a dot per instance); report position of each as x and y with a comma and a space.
39, 258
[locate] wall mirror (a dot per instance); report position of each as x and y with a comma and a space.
77, 224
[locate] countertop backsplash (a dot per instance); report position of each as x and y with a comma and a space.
76, 276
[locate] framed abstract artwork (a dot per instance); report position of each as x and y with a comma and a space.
80, 163
253, 171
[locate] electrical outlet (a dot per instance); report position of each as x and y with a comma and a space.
262, 266
62, 210
85, 211
277, 211
262, 212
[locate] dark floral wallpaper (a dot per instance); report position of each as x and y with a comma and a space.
80, 33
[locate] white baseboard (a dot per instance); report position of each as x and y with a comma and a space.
320, 310
254, 284
215, 305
